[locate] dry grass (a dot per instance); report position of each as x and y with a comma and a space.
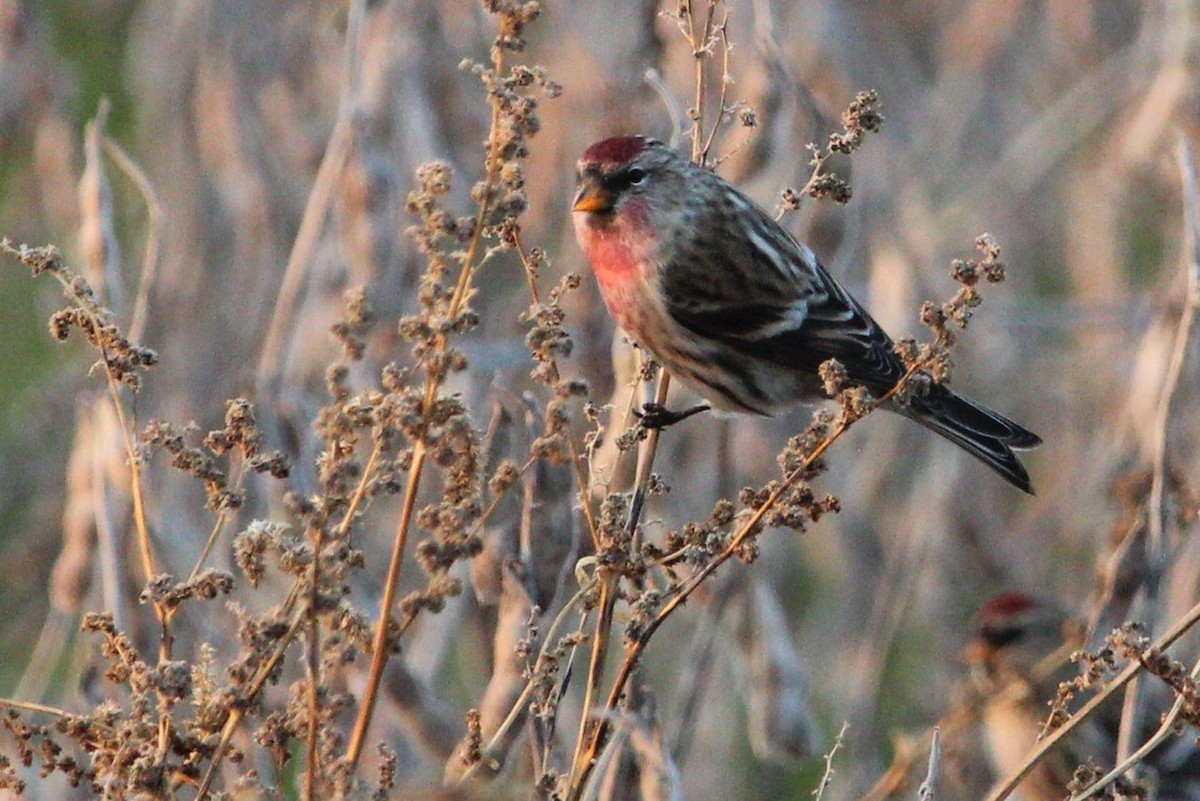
425, 548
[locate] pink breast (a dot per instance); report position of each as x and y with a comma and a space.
618, 268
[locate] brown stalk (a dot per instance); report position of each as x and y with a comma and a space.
1124, 677
311, 767
609, 580
379, 653
128, 425
154, 225
238, 712
576, 459
548, 641
217, 527
337, 151
634, 651
379, 643
1165, 731
591, 732
1134, 710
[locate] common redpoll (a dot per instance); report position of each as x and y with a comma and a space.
738, 310
1019, 656
1017, 660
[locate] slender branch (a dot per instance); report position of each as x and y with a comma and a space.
726, 79
577, 462
237, 713
522, 700
154, 225
928, 789
337, 151
311, 766
1165, 731
745, 531
379, 645
1124, 677
1158, 551
827, 774
218, 526
379, 655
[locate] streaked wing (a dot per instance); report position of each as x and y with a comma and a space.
812, 321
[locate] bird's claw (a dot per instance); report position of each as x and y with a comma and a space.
655, 415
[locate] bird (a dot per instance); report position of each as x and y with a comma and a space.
733, 306
1019, 655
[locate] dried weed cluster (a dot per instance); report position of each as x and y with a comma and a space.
531, 501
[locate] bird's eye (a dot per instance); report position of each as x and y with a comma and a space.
636, 176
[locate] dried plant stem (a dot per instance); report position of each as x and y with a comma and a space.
609, 581
311, 766
1124, 677
745, 531
1165, 731
1134, 711
379, 645
128, 425
646, 456
700, 52
726, 80
379, 651
337, 151
238, 712
634, 651
953, 723
577, 461
217, 527
154, 225
29, 706
600, 636
827, 774
518, 706
928, 789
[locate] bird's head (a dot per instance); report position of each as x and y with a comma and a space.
621, 172
1020, 634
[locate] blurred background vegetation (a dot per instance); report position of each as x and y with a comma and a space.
1051, 124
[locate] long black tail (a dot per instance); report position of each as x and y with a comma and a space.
988, 436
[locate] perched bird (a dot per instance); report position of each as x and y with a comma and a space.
738, 310
1018, 657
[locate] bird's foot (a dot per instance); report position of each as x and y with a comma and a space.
655, 415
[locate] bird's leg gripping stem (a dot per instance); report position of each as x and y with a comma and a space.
655, 415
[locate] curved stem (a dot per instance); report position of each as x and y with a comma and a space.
379, 646
1124, 677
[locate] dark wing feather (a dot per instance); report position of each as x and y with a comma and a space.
785, 308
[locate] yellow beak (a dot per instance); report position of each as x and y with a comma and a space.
593, 196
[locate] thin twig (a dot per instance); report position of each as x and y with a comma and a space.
380, 650
1005, 789
1165, 731
522, 701
311, 766
928, 789
379, 644
337, 151
237, 713
609, 581
154, 225
745, 531
577, 462
827, 774
1157, 548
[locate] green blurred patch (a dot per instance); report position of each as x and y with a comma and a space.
28, 354
92, 37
